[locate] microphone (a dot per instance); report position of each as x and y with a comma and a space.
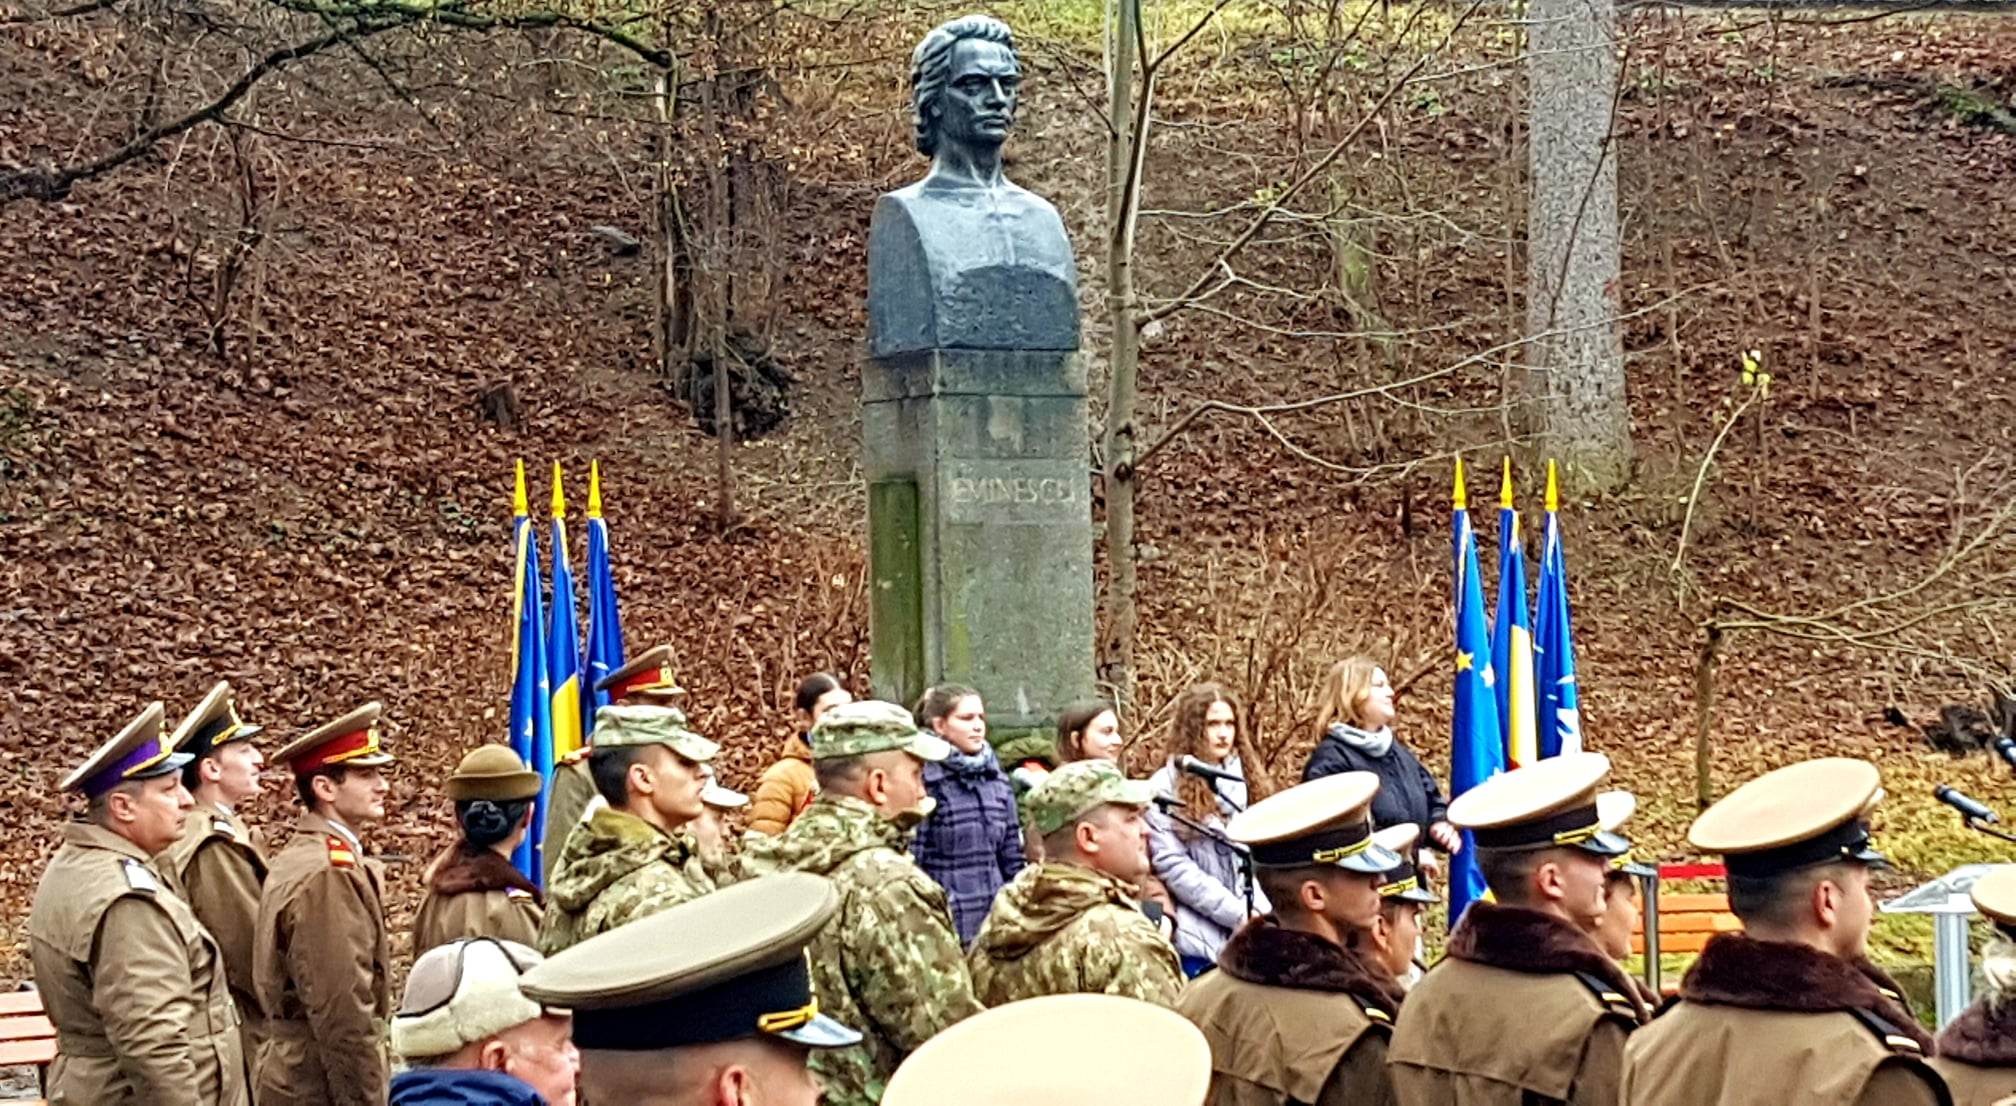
1971, 809
2006, 749
1209, 771
1026, 778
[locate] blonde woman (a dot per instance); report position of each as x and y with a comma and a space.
1977, 1052
1354, 718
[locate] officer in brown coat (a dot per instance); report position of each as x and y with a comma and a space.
133, 983
1789, 1011
1297, 1012
1525, 1009
1977, 1050
646, 680
472, 889
218, 863
320, 966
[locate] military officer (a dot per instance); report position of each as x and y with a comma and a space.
1060, 1050
1977, 1050
888, 962
632, 855
1403, 894
218, 863
472, 889
1074, 922
706, 1003
647, 680
1525, 1009
1789, 1011
1297, 1011
133, 983
321, 969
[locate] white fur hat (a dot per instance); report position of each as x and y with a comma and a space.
461, 992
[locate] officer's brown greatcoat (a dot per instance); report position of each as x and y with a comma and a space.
1525, 1010
1977, 1054
219, 866
1766, 1021
475, 892
133, 983
1293, 1018
322, 973
573, 789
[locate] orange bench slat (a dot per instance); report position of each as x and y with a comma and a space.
20, 1002
38, 1052
25, 1027
1694, 903
1678, 942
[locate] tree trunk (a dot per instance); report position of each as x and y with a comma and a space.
1571, 394
1120, 615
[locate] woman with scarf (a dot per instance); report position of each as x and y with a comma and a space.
786, 787
472, 889
1354, 714
1201, 872
972, 842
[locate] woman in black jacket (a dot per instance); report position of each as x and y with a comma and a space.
1355, 714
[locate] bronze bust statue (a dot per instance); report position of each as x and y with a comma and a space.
966, 258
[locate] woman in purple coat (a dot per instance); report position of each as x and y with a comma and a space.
972, 843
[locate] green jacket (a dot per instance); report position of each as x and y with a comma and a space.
888, 964
1062, 929
617, 868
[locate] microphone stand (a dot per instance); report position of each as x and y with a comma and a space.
1979, 826
1245, 855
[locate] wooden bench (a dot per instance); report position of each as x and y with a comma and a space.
26, 1037
1688, 919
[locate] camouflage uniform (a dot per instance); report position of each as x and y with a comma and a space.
889, 962
617, 868
1064, 928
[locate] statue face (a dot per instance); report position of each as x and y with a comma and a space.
978, 104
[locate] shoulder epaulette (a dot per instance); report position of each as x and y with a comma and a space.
1893, 1038
340, 853
139, 877
517, 893
1613, 1000
578, 755
1377, 1015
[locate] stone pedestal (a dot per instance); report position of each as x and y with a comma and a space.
980, 530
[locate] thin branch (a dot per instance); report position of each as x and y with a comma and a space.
85, 8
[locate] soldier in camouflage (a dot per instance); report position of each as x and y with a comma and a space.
1072, 924
889, 961
631, 855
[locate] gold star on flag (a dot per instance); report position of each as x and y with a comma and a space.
1465, 661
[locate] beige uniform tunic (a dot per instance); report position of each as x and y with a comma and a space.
132, 982
220, 865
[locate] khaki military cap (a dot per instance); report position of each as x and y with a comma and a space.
1800, 815
648, 677
1324, 821
139, 751
1403, 882
1078, 788
1549, 804
1994, 896
1060, 1050
492, 772
620, 727
872, 726
213, 724
351, 742
721, 967
722, 798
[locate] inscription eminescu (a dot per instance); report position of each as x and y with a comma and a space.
1025, 492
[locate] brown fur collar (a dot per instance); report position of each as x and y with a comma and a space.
1264, 951
1522, 940
1738, 970
461, 869
1982, 1034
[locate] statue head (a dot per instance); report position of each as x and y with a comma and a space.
963, 82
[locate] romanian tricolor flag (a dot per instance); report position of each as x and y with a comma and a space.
1477, 752
1554, 642
1512, 636
605, 624
563, 645
531, 695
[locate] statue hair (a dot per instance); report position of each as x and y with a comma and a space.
931, 64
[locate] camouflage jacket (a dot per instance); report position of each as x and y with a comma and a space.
888, 964
1063, 929
616, 868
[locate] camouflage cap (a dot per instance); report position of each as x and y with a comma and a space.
618, 727
1077, 788
873, 726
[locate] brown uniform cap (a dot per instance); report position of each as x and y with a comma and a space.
1553, 803
213, 724
648, 678
493, 772
1060, 1050
1814, 812
139, 751
1324, 821
351, 741
1994, 896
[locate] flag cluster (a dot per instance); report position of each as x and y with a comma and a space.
1514, 696
551, 711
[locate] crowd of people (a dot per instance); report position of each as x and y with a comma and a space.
904, 920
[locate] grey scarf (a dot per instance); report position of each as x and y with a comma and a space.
1373, 744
